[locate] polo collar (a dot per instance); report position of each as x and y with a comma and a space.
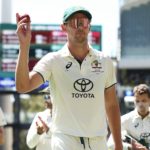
66, 53
138, 116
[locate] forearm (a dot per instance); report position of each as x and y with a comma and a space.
113, 114
24, 37
22, 70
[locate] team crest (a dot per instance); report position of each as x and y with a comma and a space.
96, 66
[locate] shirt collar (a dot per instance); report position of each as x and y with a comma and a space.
138, 116
66, 53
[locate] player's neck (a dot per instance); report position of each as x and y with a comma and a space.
79, 52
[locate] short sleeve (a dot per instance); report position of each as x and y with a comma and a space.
110, 73
44, 67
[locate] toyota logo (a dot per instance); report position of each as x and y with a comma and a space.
83, 85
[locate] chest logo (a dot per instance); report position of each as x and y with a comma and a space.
69, 64
83, 85
96, 66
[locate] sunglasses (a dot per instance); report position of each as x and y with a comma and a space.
77, 22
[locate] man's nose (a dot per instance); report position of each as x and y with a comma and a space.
80, 24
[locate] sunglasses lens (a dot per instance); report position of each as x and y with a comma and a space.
76, 23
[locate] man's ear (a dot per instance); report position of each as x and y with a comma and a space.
63, 27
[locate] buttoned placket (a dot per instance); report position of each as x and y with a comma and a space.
84, 65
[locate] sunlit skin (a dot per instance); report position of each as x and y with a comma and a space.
144, 102
79, 36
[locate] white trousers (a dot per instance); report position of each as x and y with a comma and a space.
61, 141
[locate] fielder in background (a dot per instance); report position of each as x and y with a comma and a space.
135, 125
39, 134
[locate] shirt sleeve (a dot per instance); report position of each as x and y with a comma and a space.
110, 73
33, 138
44, 66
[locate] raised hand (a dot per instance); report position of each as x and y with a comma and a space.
23, 30
42, 127
46, 128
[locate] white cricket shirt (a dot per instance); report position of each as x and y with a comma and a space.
78, 91
2, 118
135, 126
